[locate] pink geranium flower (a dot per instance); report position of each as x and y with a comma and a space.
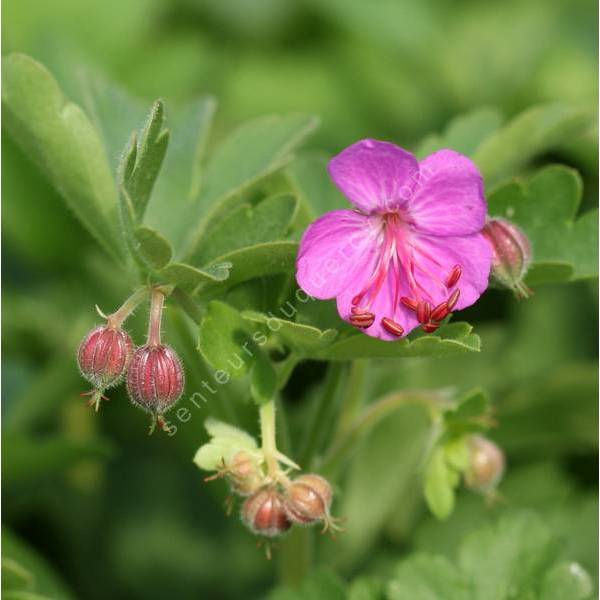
411, 251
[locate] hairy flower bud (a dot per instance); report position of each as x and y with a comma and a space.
244, 474
511, 255
155, 378
264, 513
486, 464
308, 499
104, 355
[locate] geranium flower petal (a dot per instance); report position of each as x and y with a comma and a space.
333, 250
449, 198
375, 176
435, 257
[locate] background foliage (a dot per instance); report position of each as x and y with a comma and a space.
95, 508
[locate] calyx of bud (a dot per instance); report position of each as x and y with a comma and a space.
511, 255
486, 464
155, 378
264, 514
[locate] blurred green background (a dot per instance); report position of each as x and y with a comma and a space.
97, 509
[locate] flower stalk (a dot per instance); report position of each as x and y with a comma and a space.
156, 308
116, 319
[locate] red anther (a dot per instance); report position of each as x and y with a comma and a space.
423, 311
409, 303
440, 312
357, 310
392, 327
454, 276
429, 327
453, 299
362, 320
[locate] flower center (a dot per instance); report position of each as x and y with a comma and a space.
397, 265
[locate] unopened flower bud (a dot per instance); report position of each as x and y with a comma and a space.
264, 513
308, 500
244, 474
155, 378
104, 355
486, 464
511, 255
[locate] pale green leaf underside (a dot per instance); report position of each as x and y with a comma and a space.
255, 261
451, 339
153, 247
298, 336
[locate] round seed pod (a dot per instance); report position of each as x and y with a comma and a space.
104, 356
155, 378
263, 513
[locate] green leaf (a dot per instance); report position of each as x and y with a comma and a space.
59, 138
508, 559
191, 277
248, 226
464, 134
449, 340
471, 405
226, 441
143, 158
423, 577
171, 209
518, 556
297, 336
567, 580
226, 340
440, 482
534, 131
366, 588
153, 247
253, 151
254, 261
263, 378
545, 207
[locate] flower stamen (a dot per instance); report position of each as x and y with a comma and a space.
454, 276
453, 299
392, 327
363, 320
423, 311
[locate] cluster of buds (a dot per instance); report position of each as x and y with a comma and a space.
511, 255
273, 503
274, 508
154, 375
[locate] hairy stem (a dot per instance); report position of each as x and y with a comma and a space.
116, 319
267, 434
156, 307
